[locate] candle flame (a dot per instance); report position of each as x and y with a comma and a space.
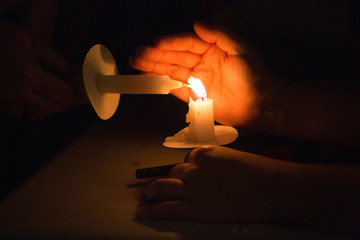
197, 86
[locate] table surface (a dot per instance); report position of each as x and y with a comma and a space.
89, 191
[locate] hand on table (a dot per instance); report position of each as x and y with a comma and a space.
229, 69
216, 184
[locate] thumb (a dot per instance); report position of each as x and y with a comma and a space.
224, 39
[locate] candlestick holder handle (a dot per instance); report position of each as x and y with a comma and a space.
104, 86
99, 61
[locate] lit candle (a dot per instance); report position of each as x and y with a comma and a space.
200, 115
201, 130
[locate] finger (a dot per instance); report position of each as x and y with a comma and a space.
200, 155
175, 72
226, 41
178, 170
182, 93
53, 88
76, 82
184, 59
164, 188
53, 61
190, 157
182, 42
176, 210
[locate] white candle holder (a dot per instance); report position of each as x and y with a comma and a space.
104, 86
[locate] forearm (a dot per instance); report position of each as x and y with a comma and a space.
324, 112
324, 196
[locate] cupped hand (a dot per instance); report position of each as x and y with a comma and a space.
227, 66
217, 184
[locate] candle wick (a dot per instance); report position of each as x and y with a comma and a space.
202, 98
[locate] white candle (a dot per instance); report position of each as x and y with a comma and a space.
201, 119
201, 130
136, 84
200, 115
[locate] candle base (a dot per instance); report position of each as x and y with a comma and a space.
223, 135
99, 61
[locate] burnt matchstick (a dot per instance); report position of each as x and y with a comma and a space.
153, 171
